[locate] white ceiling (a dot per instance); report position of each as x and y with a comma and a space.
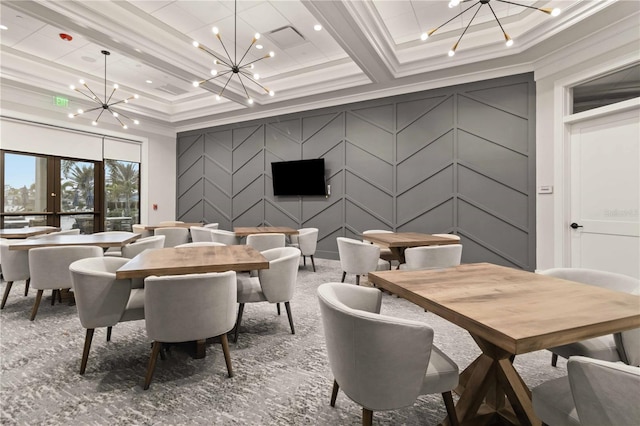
365, 47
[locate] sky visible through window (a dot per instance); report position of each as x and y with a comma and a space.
19, 170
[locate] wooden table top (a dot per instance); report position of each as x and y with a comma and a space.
101, 240
193, 260
243, 231
516, 310
408, 239
26, 232
172, 225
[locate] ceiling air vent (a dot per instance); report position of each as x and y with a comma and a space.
171, 89
286, 37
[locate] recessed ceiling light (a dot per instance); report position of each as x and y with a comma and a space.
149, 81
317, 27
3, 27
258, 46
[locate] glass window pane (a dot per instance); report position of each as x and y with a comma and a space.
77, 186
25, 183
82, 222
606, 90
122, 194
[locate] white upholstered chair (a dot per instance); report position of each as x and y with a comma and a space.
381, 362
603, 347
273, 285
211, 225
199, 233
101, 299
115, 251
306, 241
49, 269
262, 242
140, 229
385, 252
226, 237
360, 258
15, 267
451, 236
133, 249
173, 235
182, 308
432, 257
201, 244
594, 393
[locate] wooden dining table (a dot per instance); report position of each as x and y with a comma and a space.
193, 260
397, 242
101, 240
29, 231
172, 225
243, 231
509, 312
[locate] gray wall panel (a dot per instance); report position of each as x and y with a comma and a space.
457, 159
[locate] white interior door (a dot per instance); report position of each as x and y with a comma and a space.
605, 193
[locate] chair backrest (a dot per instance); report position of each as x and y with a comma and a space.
65, 232
201, 244
133, 249
379, 361
211, 225
374, 231
173, 235
262, 242
451, 236
101, 299
431, 257
628, 343
279, 281
139, 229
169, 222
226, 237
122, 233
199, 233
49, 266
357, 257
605, 393
15, 263
307, 240
180, 308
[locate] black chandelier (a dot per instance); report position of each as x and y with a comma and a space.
105, 103
479, 4
234, 66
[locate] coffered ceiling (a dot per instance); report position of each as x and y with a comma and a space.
364, 49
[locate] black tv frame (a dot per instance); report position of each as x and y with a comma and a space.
299, 178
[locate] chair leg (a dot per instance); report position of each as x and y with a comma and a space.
225, 351
554, 359
152, 364
278, 306
109, 334
54, 293
238, 321
334, 393
6, 293
451, 409
367, 417
26, 286
357, 279
36, 305
313, 263
87, 347
288, 306
304, 260
344, 274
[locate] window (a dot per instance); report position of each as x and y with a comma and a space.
612, 88
122, 194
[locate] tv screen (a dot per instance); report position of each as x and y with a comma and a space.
302, 177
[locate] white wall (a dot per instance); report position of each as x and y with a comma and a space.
603, 51
158, 167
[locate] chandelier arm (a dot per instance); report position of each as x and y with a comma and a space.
110, 96
497, 20
225, 50
253, 62
248, 75
215, 76
461, 13
91, 91
93, 98
207, 50
225, 85
99, 115
522, 5
120, 102
243, 86
247, 51
455, 46
122, 114
117, 118
89, 110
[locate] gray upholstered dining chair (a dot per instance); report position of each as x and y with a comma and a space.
602, 347
306, 241
594, 393
200, 233
173, 235
262, 242
101, 299
182, 308
432, 257
381, 362
273, 285
15, 267
49, 269
359, 258
227, 237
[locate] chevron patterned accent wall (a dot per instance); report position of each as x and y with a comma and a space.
458, 159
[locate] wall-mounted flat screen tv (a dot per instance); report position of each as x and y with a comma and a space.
301, 177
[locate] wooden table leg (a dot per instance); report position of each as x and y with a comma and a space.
201, 350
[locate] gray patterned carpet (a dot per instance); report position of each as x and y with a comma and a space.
280, 378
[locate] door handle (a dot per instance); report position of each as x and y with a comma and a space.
575, 225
